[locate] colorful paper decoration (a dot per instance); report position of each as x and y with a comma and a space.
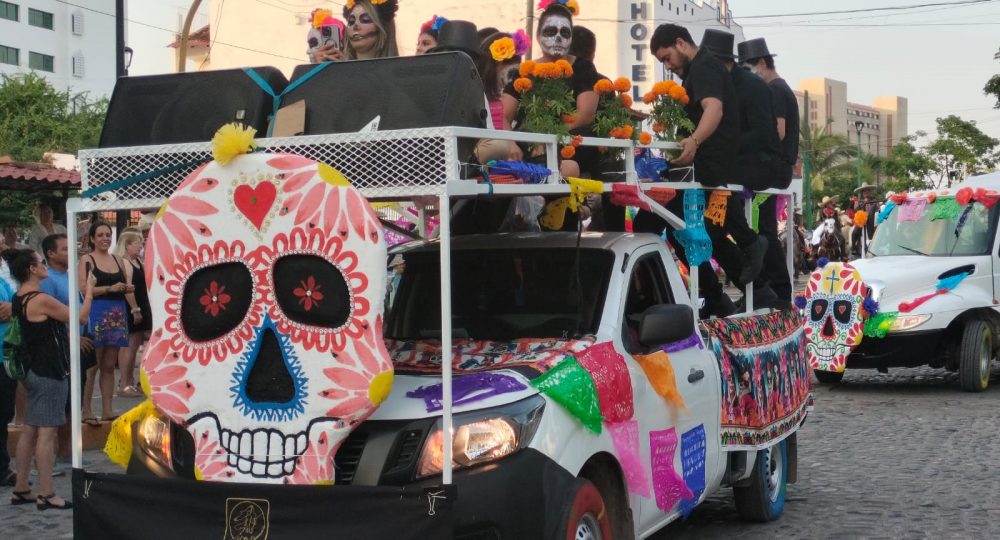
964, 196
628, 195
649, 167
987, 197
660, 374
579, 188
569, 385
835, 323
943, 287
693, 341
718, 203
884, 213
878, 325
625, 436
555, 214
694, 238
758, 199
118, 447
945, 208
693, 452
912, 210
611, 379
529, 173
661, 195
668, 486
468, 389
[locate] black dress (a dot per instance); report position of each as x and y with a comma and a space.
141, 299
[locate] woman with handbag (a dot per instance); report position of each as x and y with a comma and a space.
45, 342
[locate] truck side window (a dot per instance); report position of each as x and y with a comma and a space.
647, 287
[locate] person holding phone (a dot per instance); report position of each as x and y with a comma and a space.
326, 37
371, 29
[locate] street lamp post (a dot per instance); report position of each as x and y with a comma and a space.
858, 126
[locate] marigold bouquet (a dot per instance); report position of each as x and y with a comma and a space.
668, 99
547, 101
614, 115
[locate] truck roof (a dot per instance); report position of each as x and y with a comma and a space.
987, 181
614, 241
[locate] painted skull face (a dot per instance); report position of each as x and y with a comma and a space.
834, 325
266, 285
555, 36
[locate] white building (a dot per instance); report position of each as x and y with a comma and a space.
73, 47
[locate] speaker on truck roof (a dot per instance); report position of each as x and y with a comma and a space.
187, 107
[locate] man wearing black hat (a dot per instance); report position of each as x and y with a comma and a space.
754, 55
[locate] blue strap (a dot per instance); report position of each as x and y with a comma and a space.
486, 176
263, 84
132, 180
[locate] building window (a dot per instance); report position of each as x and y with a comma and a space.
41, 62
77, 21
8, 11
78, 70
41, 19
10, 55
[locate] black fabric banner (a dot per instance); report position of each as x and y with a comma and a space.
112, 506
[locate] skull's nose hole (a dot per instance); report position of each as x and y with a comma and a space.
828, 331
269, 380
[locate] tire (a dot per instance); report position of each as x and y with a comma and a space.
828, 377
975, 357
583, 515
764, 499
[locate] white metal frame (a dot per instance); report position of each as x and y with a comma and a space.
449, 186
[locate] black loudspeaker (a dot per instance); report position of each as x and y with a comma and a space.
408, 92
187, 107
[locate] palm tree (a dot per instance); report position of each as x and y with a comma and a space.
831, 154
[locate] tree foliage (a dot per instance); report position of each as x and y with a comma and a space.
992, 87
962, 147
36, 118
908, 168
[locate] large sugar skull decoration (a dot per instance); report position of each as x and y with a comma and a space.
266, 284
834, 315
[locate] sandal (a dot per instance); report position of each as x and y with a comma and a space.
43, 503
92, 422
111, 418
21, 497
129, 391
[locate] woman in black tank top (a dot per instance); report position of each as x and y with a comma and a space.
114, 298
139, 322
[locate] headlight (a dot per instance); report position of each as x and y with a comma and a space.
483, 436
908, 322
154, 438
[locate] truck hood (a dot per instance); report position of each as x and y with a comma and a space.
400, 407
898, 279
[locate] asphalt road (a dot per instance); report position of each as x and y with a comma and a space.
904, 455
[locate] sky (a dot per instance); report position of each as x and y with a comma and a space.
941, 69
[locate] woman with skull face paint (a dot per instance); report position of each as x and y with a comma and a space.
371, 29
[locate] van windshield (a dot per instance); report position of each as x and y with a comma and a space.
972, 235
500, 294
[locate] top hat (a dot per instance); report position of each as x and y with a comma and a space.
718, 43
753, 48
458, 36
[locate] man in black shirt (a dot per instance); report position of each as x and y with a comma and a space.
755, 56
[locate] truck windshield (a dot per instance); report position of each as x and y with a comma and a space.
937, 238
501, 294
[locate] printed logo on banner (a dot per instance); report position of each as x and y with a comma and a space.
693, 466
247, 519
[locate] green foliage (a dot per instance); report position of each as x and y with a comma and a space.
908, 168
35, 118
960, 144
17, 209
992, 87
545, 104
669, 115
832, 158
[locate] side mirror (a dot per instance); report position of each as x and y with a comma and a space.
665, 323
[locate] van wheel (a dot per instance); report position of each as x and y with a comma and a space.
975, 357
584, 515
828, 377
764, 499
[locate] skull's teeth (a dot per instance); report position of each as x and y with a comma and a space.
265, 453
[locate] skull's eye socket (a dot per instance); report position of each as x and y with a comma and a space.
842, 311
310, 290
215, 301
818, 309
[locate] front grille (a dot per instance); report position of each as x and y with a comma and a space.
348, 456
408, 449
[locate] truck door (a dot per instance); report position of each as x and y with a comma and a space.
696, 376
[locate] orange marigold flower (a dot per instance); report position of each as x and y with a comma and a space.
627, 132
522, 85
661, 88
626, 100
604, 86
567, 152
685, 100
527, 68
676, 93
658, 127
615, 133
577, 140
622, 84
645, 138
565, 68
569, 118
649, 98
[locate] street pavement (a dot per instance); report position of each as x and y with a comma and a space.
903, 455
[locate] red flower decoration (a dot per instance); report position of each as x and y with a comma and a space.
309, 293
215, 298
964, 196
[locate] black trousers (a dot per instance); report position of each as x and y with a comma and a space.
775, 270
8, 387
728, 254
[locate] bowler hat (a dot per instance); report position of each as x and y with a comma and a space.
458, 36
753, 48
718, 43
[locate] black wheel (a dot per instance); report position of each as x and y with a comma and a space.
584, 515
975, 357
764, 499
828, 377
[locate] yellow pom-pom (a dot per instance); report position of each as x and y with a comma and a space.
118, 445
860, 218
232, 140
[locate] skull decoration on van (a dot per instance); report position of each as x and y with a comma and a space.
266, 283
834, 319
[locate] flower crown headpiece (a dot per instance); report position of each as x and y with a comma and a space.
434, 24
386, 8
572, 5
506, 48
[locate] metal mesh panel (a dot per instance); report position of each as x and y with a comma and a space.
381, 165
